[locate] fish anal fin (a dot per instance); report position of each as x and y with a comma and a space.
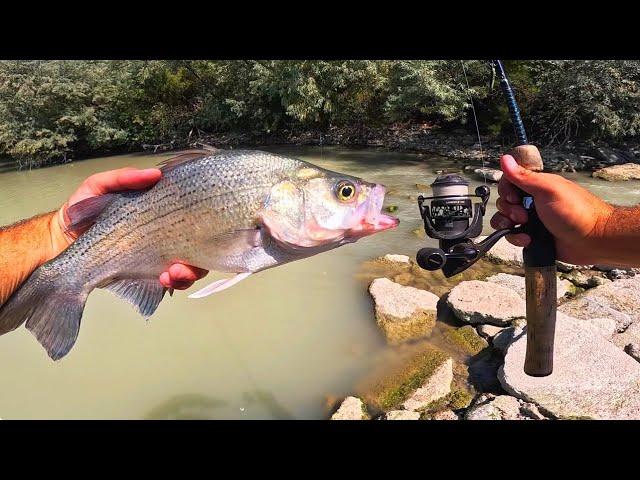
219, 285
145, 294
82, 214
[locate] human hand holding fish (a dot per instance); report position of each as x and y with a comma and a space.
178, 276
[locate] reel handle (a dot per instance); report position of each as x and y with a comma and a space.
540, 277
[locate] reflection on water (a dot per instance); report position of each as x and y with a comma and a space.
281, 344
186, 407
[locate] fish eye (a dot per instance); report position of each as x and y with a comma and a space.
345, 191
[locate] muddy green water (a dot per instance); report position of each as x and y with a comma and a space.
274, 346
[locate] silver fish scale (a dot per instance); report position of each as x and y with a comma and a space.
141, 233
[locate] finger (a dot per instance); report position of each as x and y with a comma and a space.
165, 279
534, 183
516, 213
500, 222
519, 239
114, 181
179, 272
509, 191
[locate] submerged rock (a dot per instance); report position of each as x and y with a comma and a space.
436, 386
592, 378
616, 173
467, 339
352, 408
403, 313
402, 415
505, 253
483, 302
411, 375
617, 300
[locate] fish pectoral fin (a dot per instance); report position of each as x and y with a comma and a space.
145, 294
219, 285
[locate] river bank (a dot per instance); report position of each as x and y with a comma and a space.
460, 347
424, 139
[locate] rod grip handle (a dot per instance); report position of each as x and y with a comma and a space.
540, 277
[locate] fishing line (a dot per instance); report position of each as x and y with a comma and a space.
475, 118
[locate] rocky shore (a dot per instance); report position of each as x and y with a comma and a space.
424, 138
458, 348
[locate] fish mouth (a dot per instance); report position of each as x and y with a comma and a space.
374, 220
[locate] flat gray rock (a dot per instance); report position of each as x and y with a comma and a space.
490, 174
592, 378
619, 300
517, 284
403, 313
502, 407
630, 336
483, 302
617, 173
402, 415
489, 331
504, 252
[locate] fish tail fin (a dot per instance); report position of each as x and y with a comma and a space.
51, 309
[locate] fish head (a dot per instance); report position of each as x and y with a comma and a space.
315, 207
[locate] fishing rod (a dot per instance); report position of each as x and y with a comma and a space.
454, 220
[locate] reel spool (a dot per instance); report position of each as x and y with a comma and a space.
454, 219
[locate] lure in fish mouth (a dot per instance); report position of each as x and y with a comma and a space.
245, 211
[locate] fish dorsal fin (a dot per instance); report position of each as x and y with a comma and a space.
145, 294
185, 157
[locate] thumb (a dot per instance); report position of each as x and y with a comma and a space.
533, 183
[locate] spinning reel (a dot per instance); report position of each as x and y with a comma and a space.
454, 219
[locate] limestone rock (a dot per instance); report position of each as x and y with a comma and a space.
517, 284
489, 331
506, 337
352, 408
630, 336
392, 258
616, 173
505, 253
435, 387
501, 407
403, 313
618, 300
592, 378
569, 267
483, 302
445, 415
402, 415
